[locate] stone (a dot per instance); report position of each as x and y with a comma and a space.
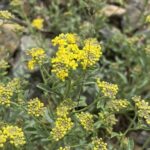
112, 10
9, 42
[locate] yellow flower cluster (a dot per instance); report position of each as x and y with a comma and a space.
99, 144
117, 105
35, 107
147, 49
148, 19
143, 109
91, 53
37, 57
63, 123
62, 126
3, 65
132, 40
108, 89
3, 68
38, 23
86, 120
66, 55
64, 108
69, 56
62, 111
14, 85
107, 120
65, 39
16, 2
64, 148
13, 134
5, 14
7, 91
2, 139
5, 95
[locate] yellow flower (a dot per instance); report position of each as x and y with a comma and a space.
3, 64
5, 95
107, 120
38, 23
14, 134
69, 56
16, 2
62, 111
91, 53
148, 19
2, 139
36, 53
86, 120
5, 14
64, 108
147, 49
65, 39
63, 123
117, 105
143, 108
99, 144
59, 69
14, 85
35, 107
108, 89
31, 64
62, 126
66, 56
148, 119
37, 57
3, 67
7, 91
64, 148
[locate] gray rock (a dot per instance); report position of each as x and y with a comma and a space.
9, 42
112, 10
27, 42
109, 32
134, 13
19, 63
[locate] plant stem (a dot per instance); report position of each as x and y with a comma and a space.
43, 77
79, 145
132, 122
87, 107
67, 90
128, 129
81, 87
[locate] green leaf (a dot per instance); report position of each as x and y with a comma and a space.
82, 101
130, 144
123, 77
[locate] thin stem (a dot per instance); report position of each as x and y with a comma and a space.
48, 75
128, 129
78, 145
49, 91
132, 122
43, 77
81, 87
18, 105
68, 88
87, 107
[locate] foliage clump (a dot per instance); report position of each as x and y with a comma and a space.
80, 78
